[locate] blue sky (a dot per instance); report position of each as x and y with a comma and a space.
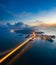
27, 10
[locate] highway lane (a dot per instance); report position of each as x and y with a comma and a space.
14, 50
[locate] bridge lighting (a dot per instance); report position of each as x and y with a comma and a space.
33, 35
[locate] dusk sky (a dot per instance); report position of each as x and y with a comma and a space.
28, 11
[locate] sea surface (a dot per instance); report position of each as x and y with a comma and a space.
38, 52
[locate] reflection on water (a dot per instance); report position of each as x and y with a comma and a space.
9, 40
41, 52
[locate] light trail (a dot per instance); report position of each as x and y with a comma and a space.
5, 52
14, 50
32, 37
19, 54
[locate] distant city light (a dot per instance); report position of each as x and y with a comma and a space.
11, 30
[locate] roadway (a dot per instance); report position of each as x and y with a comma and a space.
15, 49
32, 37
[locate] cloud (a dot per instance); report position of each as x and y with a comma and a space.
16, 16
48, 16
2, 23
25, 30
42, 24
19, 27
44, 18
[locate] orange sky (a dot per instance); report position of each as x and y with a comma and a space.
42, 24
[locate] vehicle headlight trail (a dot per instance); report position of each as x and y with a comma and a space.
31, 37
20, 53
14, 50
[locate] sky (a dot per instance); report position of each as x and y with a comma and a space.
28, 11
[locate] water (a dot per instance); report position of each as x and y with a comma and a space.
40, 52
9, 40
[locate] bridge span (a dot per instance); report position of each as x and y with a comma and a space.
15, 49
31, 37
